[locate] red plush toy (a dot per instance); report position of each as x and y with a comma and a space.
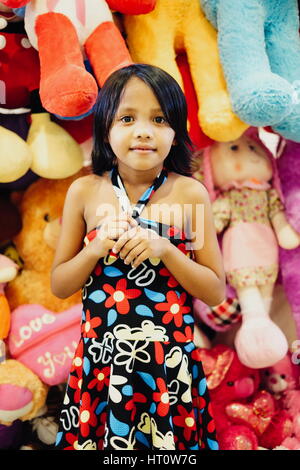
62, 30
245, 417
283, 381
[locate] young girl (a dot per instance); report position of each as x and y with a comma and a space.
136, 380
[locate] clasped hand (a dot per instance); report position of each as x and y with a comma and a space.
138, 244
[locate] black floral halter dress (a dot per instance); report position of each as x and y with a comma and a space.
136, 380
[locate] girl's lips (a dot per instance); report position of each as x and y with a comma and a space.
142, 149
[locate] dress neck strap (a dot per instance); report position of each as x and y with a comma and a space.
122, 195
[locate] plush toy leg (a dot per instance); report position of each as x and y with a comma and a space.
216, 117
259, 96
155, 44
66, 88
283, 47
106, 51
259, 342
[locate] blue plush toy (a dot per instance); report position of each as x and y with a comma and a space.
259, 48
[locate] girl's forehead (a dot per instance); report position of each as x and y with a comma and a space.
137, 93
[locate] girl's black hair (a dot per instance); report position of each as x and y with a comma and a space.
173, 106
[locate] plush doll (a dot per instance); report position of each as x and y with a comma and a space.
41, 209
242, 179
259, 48
289, 173
60, 30
283, 381
245, 417
22, 394
174, 27
49, 151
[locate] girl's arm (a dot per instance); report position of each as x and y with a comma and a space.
203, 277
72, 265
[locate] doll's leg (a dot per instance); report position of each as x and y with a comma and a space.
66, 88
259, 96
106, 51
283, 48
216, 117
259, 342
267, 296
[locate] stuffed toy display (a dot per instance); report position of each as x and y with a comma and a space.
259, 48
59, 156
242, 179
41, 209
283, 381
245, 417
289, 173
174, 27
60, 30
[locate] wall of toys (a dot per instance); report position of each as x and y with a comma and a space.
238, 62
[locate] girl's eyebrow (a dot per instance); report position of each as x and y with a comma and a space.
129, 109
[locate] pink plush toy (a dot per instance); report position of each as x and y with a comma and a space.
245, 417
242, 179
61, 30
289, 173
282, 380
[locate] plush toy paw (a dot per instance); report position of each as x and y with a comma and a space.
237, 438
290, 127
260, 343
217, 119
69, 91
263, 99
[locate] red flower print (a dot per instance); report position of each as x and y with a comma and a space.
77, 360
185, 420
101, 378
171, 281
120, 296
174, 307
176, 233
76, 383
88, 325
184, 337
162, 397
87, 416
101, 429
71, 439
130, 405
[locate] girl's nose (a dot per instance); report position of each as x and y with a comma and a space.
143, 132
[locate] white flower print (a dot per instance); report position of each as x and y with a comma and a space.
131, 351
148, 331
114, 380
84, 289
120, 443
102, 350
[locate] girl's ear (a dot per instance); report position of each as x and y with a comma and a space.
174, 142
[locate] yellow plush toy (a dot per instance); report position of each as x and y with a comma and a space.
41, 209
173, 26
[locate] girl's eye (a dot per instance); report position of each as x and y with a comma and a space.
126, 119
234, 147
159, 120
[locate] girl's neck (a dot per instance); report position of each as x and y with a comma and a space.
136, 178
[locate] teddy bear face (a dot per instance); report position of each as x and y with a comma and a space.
239, 160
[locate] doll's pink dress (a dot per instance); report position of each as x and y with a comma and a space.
249, 245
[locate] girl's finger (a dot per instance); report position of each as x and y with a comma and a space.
142, 257
124, 239
134, 253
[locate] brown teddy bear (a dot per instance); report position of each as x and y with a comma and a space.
41, 209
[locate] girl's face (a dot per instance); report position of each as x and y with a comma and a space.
139, 136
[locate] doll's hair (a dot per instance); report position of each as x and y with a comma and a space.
252, 133
173, 105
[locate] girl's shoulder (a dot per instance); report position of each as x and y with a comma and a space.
189, 188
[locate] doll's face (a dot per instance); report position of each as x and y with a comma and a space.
240, 160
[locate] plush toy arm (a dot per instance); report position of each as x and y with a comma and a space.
15, 3
287, 237
221, 212
132, 7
